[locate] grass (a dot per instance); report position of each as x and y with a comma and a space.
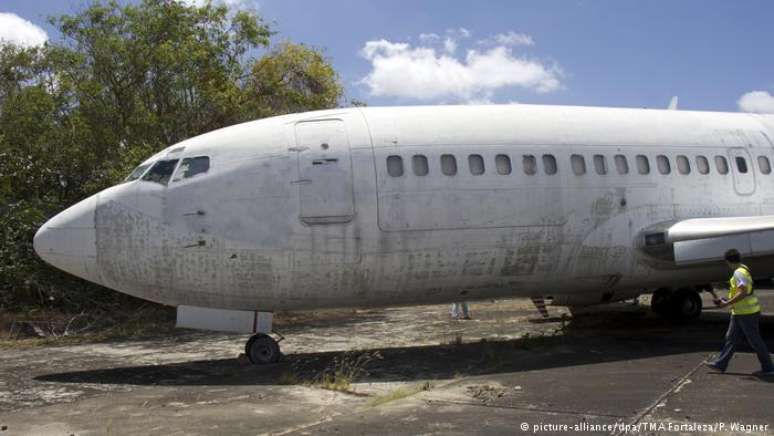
344, 370
335, 382
68, 329
400, 393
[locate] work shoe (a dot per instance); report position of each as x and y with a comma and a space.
714, 366
762, 373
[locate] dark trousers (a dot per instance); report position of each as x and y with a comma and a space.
744, 327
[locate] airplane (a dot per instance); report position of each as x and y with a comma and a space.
390, 206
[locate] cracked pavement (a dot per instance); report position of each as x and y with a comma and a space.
505, 368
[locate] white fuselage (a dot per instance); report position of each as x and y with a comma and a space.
411, 205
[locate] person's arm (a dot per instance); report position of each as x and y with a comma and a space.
715, 299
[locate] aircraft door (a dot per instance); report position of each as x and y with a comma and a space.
742, 169
325, 172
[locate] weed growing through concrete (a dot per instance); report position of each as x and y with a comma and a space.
345, 370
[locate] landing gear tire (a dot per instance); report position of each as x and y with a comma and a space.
262, 349
660, 301
682, 305
685, 305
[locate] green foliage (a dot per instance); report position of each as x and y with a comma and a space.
345, 370
292, 78
125, 81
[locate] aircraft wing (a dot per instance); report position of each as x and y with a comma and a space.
698, 240
702, 228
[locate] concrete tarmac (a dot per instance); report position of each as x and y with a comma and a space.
617, 369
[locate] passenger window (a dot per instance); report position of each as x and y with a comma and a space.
161, 171
683, 166
578, 164
529, 163
549, 164
192, 166
395, 166
643, 165
476, 164
621, 164
419, 164
702, 164
764, 164
137, 173
600, 164
663, 164
503, 164
722, 164
741, 164
448, 164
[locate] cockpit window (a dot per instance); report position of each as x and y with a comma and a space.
137, 173
192, 166
161, 171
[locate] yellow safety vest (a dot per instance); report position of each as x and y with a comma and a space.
747, 305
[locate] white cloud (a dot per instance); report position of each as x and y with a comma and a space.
424, 73
450, 45
488, 100
511, 38
757, 101
448, 42
427, 37
462, 32
16, 30
480, 101
232, 4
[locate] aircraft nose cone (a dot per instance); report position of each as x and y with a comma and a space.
68, 241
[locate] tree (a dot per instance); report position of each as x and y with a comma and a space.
292, 78
162, 71
124, 82
36, 162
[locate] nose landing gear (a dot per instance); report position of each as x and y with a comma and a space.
262, 349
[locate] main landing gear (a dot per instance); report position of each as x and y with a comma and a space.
680, 305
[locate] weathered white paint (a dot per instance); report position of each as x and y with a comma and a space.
282, 222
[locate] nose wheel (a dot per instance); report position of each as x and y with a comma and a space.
262, 349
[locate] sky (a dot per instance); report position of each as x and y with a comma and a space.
714, 55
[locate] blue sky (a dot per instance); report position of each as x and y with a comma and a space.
598, 53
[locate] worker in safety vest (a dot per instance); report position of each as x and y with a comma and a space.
745, 315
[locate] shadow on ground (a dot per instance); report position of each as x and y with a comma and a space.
589, 339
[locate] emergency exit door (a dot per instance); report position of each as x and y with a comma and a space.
742, 170
325, 172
